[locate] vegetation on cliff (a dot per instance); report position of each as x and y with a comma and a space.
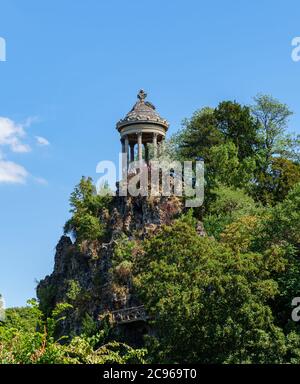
22, 345
86, 207
222, 297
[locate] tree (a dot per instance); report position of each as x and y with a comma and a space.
209, 304
281, 228
228, 206
225, 167
236, 124
284, 175
22, 318
283, 222
274, 185
198, 135
86, 207
229, 122
239, 145
19, 345
226, 139
272, 116
2, 309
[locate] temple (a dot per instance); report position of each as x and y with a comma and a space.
141, 126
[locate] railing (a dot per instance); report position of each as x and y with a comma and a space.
130, 315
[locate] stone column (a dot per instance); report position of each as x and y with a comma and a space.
161, 145
155, 144
131, 151
126, 148
140, 149
124, 170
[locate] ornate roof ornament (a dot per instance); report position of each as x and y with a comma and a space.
142, 112
142, 95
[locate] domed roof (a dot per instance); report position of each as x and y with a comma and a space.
142, 112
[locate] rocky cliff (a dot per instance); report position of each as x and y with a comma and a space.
90, 277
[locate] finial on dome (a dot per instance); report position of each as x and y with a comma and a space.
143, 112
142, 95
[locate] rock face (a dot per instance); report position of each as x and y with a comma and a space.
82, 275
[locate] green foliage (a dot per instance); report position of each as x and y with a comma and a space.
238, 126
19, 345
22, 318
198, 135
240, 234
274, 184
73, 290
280, 229
240, 146
209, 303
2, 309
224, 167
272, 116
86, 207
47, 296
283, 223
229, 300
84, 227
221, 298
124, 250
274, 177
228, 205
230, 122
89, 326
121, 271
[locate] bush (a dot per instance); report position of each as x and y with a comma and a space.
210, 303
86, 207
229, 205
23, 346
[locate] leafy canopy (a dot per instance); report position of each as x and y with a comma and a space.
86, 206
208, 301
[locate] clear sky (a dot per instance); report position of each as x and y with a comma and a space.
73, 70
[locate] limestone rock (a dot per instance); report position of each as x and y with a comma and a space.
88, 267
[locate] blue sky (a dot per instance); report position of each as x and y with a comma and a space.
73, 70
